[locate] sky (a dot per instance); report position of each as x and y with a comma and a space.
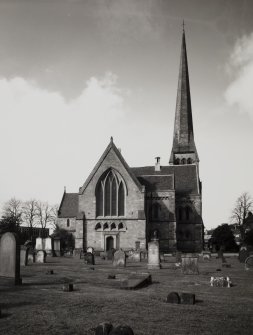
75, 72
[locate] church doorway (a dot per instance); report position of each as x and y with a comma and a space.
109, 243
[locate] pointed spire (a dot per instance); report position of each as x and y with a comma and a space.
183, 141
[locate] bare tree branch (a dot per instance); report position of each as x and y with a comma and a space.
243, 205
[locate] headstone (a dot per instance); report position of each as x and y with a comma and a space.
135, 256
56, 247
23, 255
89, 258
136, 281
110, 254
178, 256
39, 243
173, 298
187, 298
10, 257
90, 250
103, 329
119, 259
221, 255
220, 281
48, 245
243, 254
190, 264
68, 287
40, 256
30, 256
206, 255
144, 255
153, 255
249, 263
122, 330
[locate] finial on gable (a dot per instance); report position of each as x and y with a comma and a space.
64, 189
183, 26
111, 139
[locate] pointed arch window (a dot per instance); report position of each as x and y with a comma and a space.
183, 161
189, 161
110, 195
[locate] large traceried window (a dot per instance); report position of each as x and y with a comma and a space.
110, 195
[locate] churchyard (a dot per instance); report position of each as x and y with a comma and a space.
41, 306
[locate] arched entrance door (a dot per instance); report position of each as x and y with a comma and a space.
109, 243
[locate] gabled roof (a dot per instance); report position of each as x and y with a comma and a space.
111, 146
69, 205
157, 182
185, 177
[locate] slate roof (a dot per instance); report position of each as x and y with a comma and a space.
185, 178
69, 205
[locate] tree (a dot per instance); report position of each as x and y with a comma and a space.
45, 214
30, 214
223, 237
13, 209
243, 205
9, 224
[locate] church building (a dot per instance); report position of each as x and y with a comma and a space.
124, 207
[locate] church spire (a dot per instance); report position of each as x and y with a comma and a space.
183, 149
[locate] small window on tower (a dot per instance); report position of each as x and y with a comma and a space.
177, 161
189, 161
67, 222
183, 161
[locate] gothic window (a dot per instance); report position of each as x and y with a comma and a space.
155, 212
189, 161
177, 161
110, 195
105, 226
98, 226
67, 222
183, 161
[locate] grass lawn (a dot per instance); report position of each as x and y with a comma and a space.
39, 306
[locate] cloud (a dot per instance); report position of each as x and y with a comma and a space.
45, 138
240, 66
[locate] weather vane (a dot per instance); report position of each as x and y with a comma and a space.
183, 25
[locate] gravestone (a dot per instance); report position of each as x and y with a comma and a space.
135, 256
23, 255
40, 256
39, 244
153, 255
122, 330
136, 281
10, 257
68, 287
221, 255
30, 256
206, 255
190, 264
144, 255
89, 258
103, 329
119, 259
48, 245
249, 263
187, 298
220, 281
90, 250
178, 256
243, 254
110, 254
173, 298
56, 246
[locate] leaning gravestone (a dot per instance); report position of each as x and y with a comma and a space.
41, 256
153, 255
119, 259
249, 263
190, 264
30, 256
10, 257
23, 255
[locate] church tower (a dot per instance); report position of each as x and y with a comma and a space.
183, 149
